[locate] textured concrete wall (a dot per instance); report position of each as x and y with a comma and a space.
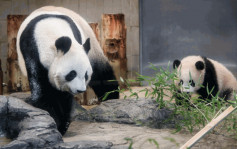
91, 10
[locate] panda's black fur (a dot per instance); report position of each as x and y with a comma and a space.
45, 96
210, 80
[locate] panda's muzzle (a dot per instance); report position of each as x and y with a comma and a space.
79, 91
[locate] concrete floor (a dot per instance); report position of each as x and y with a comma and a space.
116, 133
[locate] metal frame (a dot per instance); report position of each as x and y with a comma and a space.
140, 36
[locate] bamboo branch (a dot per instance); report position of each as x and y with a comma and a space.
208, 128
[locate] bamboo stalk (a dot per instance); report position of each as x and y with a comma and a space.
208, 128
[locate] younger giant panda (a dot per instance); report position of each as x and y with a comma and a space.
196, 71
60, 54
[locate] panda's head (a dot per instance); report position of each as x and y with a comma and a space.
70, 70
190, 73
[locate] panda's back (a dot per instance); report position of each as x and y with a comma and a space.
226, 80
47, 33
96, 53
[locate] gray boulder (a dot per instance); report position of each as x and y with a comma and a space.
129, 111
30, 127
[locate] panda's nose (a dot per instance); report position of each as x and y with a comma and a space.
79, 91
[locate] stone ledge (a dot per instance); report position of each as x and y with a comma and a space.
30, 127
140, 112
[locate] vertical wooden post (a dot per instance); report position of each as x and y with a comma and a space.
16, 80
95, 28
114, 43
1, 79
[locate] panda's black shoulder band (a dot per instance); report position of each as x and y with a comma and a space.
76, 32
210, 79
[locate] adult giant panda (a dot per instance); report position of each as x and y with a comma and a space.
196, 71
60, 54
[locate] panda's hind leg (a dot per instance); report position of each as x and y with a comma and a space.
103, 80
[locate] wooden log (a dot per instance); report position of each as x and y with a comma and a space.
16, 80
208, 128
1, 79
114, 43
95, 28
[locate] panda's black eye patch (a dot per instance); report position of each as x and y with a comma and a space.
192, 83
181, 82
71, 75
86, 76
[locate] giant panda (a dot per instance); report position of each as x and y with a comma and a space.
60, 54
196, 73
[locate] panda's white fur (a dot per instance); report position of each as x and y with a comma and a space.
218, 74
96, 56
61, 66
60, 54
58, 64
95, 53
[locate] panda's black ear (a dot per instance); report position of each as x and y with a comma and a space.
176, 63
87, 45
199, 65
63, 44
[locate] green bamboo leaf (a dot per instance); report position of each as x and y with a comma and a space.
146, 93
130, 142
106, 95
155, 142
208, 92
125, 96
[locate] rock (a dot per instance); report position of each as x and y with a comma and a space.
21, 95
130, 111
30, 127
76, 108
86, 145
3, 113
